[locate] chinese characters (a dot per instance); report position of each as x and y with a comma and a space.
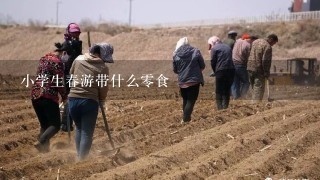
102, 80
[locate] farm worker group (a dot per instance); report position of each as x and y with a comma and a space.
81, 103
236, 63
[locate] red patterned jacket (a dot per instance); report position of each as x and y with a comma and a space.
49, 81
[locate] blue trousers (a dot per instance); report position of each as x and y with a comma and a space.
241, 84
84, 112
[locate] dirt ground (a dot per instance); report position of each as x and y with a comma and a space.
278, 139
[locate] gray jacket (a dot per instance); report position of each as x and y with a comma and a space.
188, 63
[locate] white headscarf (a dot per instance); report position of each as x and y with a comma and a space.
181, 42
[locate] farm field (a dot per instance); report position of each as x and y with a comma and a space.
278, 139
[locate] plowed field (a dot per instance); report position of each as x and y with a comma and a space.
278, 139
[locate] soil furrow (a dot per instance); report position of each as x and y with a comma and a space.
191, 147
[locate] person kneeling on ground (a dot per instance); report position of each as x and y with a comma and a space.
188, 63
45, 99
84, 100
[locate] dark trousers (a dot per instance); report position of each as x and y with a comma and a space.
49, 118
65, 114
190, 96
66, 117
224, 79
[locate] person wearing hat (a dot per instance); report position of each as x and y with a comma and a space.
188, 63
240, 55
74, 44
222, 65
45, 96
259, 64
84, 98
232, 35
74, 49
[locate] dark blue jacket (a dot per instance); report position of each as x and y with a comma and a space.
188, 63
221, 57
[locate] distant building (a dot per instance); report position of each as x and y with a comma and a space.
305, 5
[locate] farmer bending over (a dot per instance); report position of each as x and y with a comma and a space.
45, 99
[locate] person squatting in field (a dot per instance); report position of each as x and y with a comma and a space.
84, 100
44, 96
259, 64
188, 63
74, 49
240, 55
222, 66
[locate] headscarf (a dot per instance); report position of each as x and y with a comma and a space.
106, 51
72, 27
181, 42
